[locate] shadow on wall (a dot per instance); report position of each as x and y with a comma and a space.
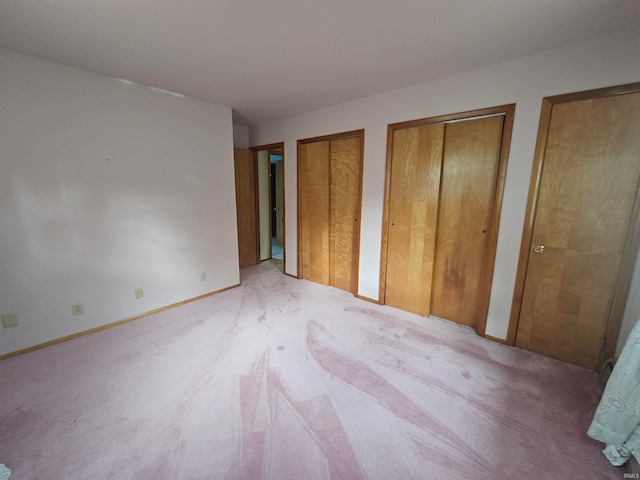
68, 236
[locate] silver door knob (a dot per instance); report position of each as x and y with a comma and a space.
539, 249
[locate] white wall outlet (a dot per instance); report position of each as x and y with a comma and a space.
139, 293
10, 320
203, 276
77, 309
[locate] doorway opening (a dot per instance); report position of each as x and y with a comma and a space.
270, 205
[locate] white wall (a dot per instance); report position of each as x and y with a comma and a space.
240, 136
600, 63
106, 186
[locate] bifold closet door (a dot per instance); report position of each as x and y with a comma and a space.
468, 184
413, 211
314, 182
245, 176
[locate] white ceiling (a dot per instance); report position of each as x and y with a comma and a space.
268, 59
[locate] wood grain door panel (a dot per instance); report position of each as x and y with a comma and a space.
246, 212
586, 195
469, 171
314, 176
413, 210
344, 211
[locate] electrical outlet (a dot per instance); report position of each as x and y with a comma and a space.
139, 293
203, 276
10, 320
77, 309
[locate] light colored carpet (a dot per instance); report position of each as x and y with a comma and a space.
274, 264
286, 379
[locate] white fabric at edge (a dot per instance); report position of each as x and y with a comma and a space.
617, 419
5, 473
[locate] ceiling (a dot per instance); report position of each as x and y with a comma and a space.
269, 59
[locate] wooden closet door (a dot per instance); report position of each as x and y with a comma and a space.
469, 172
314, 176
344, 212
585, 199
413, 210
245, 177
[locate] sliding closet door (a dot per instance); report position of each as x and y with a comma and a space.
444, 183
313, 191
469, 171
413, 210
329, 186
344, 215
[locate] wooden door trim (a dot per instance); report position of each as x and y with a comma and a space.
451, 117
508, 111
333, 136
323, 138
594, 94
268, 146
625, 273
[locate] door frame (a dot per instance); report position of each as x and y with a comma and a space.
323, 138
632, 243
269, 147
508, 111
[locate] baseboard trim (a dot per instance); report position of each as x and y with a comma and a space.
292, 276
110, 325
495, 339
367, 299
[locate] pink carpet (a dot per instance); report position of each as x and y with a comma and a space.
286, 379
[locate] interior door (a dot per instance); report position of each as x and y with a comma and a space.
313, 193
345, 210
245, 178
585, 199
469, 171
413, 210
